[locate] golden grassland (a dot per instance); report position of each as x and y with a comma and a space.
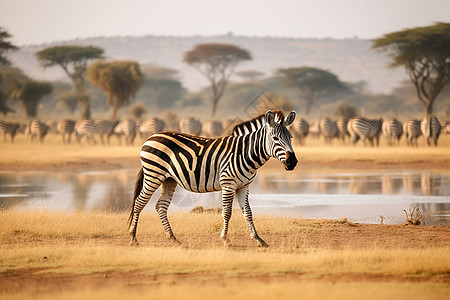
54, 155
86, 254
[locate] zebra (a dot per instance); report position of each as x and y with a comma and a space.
341, 125
411, 128
314, 129
85, 128
327, 129
190, 125
202, 165
431, 129
150, 126
363, 128
37, 130
105, 127
300, 130
212, 128
128, 129
9, 128
392, 130
65, 128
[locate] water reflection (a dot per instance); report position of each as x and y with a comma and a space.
360, 196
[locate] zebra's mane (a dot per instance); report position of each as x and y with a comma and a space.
254, 124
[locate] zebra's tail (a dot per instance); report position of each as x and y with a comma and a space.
137, 189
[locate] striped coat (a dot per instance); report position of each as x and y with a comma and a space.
431, 129
128, 129
151, 126
300, 130
37, 130
190, 125
392, 130
365, 129
85, 128
105, 128
66, 128
203, 165
212, 128
411, 128
341, 125
8, 128
328, 129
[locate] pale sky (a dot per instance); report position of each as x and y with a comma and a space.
44, 21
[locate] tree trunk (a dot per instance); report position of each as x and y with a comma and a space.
114, 112
85, 108
428, 108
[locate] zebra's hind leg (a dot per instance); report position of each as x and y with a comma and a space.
242, 195
162, 205
144, 189
228, 193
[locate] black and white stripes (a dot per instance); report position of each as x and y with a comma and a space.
203, 165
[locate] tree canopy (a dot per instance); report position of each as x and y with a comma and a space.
424, 52
120, 80
73, 60
5, 46
312, 82
217, 62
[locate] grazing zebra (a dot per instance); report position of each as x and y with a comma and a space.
128, 129
66, 128
327, 129
363, 128
9, 128
85, 128
341, 125
202, 165
411, 128
37, 130
300, 129
431, 129
190, 125
314, 129
392, 130
105, 127
151, 126
212, 128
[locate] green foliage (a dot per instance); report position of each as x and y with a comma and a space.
346, 110
66, 56
5, 46
137, 110
161, 93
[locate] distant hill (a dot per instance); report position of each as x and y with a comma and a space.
351, 59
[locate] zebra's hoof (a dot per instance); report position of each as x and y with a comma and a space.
134, 243
262, 244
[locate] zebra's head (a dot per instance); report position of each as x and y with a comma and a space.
278, 143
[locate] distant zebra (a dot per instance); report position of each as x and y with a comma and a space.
300, 130
9, 128
202, 165
341, 125
363, 128
411, 128
85, 128
392, 130
128, 129
66, 128
105, 128
314, 129
431, 129
212, 128
37, 130
190, 125
327, 129
151, 126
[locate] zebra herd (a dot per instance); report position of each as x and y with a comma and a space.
370, 130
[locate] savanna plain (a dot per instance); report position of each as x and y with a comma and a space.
85, 255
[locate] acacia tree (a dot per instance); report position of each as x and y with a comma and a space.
5, 46
312, 82
217, 62
425, 54
120, 80
74, 61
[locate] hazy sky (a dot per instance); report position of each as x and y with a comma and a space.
41, 21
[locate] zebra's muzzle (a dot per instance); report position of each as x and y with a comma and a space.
291, 161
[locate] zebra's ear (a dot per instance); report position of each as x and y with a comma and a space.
289, 118
270, 118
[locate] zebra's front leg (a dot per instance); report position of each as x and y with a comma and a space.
242, 195
162, 205
228, 193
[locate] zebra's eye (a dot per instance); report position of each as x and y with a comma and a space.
275, 138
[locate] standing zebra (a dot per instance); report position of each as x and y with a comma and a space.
66, 128
341, 125
85, 128
204, 165
411, 128
105, 127
151, 126
9, 128
328, 129
300, 129
212, 128
392, 130
363, 128
190, 125
37, 130
431, 129
128, 129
